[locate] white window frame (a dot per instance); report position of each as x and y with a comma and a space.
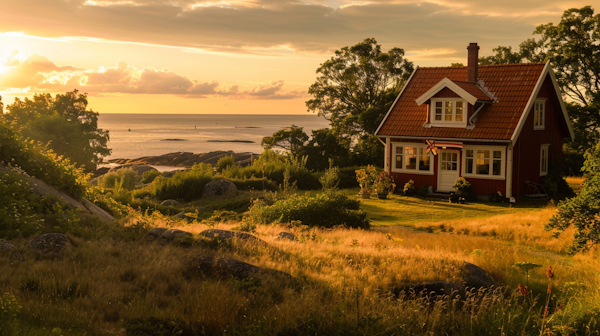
491, 149
443, 122
403, 145
539, 115
545, 148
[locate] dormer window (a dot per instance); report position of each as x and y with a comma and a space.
448, 112
539, 114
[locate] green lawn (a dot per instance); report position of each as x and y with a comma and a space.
408, 211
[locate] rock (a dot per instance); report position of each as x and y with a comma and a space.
170, 202
6, 246
166, 235
285, 235
173, 234
101, 171
211, 266
154, 234
50, 244
472, 277
475, 277
229, 235
219, 187
187, 159
182, 215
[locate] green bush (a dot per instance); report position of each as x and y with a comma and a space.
36, 160
322, 210
23, 213
347, 177
186, 185
122, 179
149, 176
255, 184
225, 162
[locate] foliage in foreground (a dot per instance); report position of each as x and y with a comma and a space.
39, 162
324, 210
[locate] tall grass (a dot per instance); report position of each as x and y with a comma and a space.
101, 284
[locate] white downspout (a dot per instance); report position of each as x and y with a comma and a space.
509, 170
471, 124
386, 162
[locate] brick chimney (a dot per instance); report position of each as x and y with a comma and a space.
472, 62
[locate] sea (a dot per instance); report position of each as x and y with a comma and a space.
138, 135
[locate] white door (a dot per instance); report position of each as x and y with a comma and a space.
448, 170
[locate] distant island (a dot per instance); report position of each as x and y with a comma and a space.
242, 141
186, 159
173, 140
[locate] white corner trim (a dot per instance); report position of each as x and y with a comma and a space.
450, 85
562, 105
395, 101
533, 97
509, 170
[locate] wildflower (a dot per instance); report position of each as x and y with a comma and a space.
549, 289
523, 290
559, 307
546, 312
549, 273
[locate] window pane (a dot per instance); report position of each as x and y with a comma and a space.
497, 167
448, 111
469, 153
411, 158
424, 162
398, 161
497, 154
483, 162
469, 166
459, 111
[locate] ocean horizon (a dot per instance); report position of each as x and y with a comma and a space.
137, 135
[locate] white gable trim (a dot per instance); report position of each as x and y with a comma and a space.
547, 71
446, 83
395, 101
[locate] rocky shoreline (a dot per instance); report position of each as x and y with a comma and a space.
186, 159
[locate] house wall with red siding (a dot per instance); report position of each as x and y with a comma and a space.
526, 156
478, 185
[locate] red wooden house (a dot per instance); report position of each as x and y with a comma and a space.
497, 125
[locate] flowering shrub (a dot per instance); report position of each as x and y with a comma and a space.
384, 184
366, 179
409, 186
462, 184
9, 309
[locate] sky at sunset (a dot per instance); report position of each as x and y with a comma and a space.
240, 56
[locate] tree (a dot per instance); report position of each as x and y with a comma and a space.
573, 48
64, 123
582, 210
290, 139
357, 86
324, 145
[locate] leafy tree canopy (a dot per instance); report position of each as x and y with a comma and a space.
573, 48
356, 87
64, 123
291, 139
582, 210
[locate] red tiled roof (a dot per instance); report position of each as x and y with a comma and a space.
474, 90
511, 84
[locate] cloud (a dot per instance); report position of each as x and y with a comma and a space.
265, 26
38, 73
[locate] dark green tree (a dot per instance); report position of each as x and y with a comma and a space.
326, 144
582, 210
290, 139
64, 123
356, 87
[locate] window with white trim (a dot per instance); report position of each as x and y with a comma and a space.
448, 112
539, 114
411, 158
484, 161
544, 159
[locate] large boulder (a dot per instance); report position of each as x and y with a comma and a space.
170, 202
475, 277
221, 267
229, 235
6, 246
50, 244
164, 235
218, 188
285, 235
